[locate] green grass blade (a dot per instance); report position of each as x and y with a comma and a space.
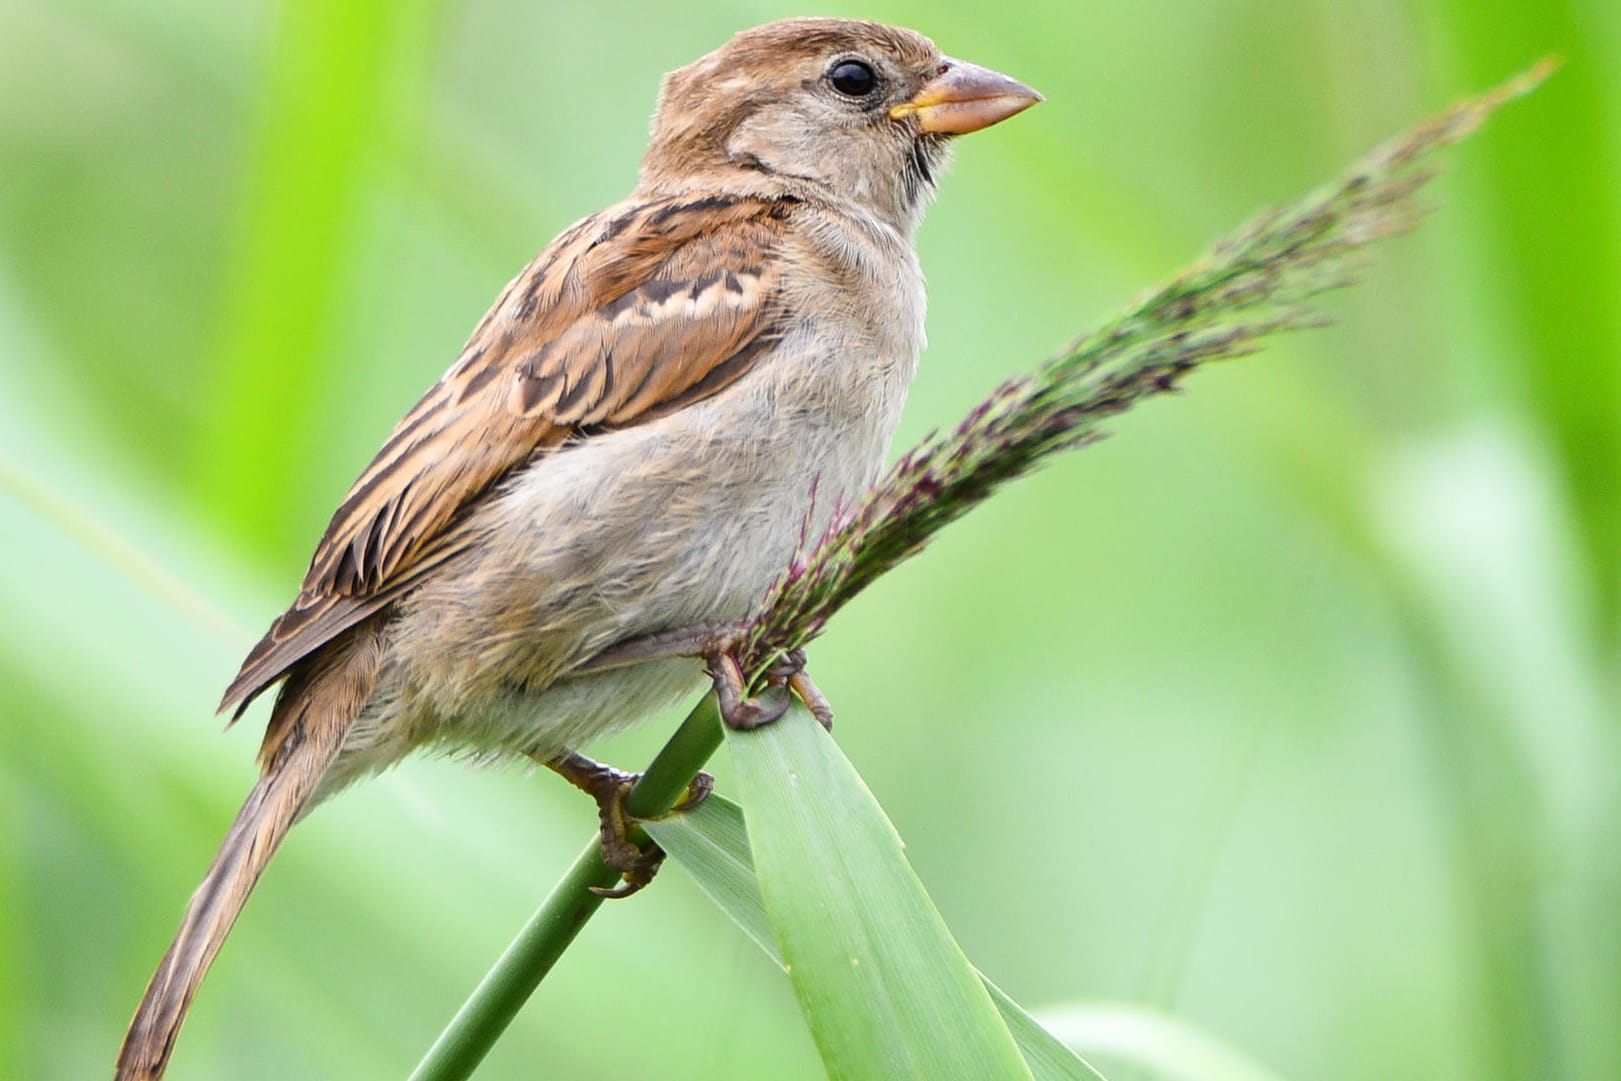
1166, 1047
1558, 285
712, 843
326, 100
1046, 1055
885, 988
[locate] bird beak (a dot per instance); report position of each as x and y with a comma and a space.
963, 98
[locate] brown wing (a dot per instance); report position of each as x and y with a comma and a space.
637, 311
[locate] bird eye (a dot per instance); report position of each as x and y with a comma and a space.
853, 78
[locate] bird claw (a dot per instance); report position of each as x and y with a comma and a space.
810, 694
787, 676
637, 861
717, 644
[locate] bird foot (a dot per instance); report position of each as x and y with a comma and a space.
742, 711
717, 644
625, 847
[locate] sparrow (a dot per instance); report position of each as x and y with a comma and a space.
630, 445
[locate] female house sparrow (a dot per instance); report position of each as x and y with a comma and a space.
630, 443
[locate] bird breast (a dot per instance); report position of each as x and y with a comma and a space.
685, 519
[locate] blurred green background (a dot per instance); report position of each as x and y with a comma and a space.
1290, 711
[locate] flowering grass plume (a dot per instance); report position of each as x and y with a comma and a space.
1258, 282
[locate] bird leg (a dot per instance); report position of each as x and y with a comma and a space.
716, 644
636, 861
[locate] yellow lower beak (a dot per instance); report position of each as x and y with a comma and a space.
963, 98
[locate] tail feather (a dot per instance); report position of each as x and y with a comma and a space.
312, 715
254, 837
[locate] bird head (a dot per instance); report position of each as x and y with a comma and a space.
854, 110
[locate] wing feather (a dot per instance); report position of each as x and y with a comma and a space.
628, 315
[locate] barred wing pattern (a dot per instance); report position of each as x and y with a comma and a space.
630, 314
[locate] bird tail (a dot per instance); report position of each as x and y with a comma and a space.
312, 715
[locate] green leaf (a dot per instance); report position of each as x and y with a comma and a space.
1046, 1055
1167, 1047
885, 989
332, 90
711, 842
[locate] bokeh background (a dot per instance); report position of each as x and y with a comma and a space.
1290, 712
